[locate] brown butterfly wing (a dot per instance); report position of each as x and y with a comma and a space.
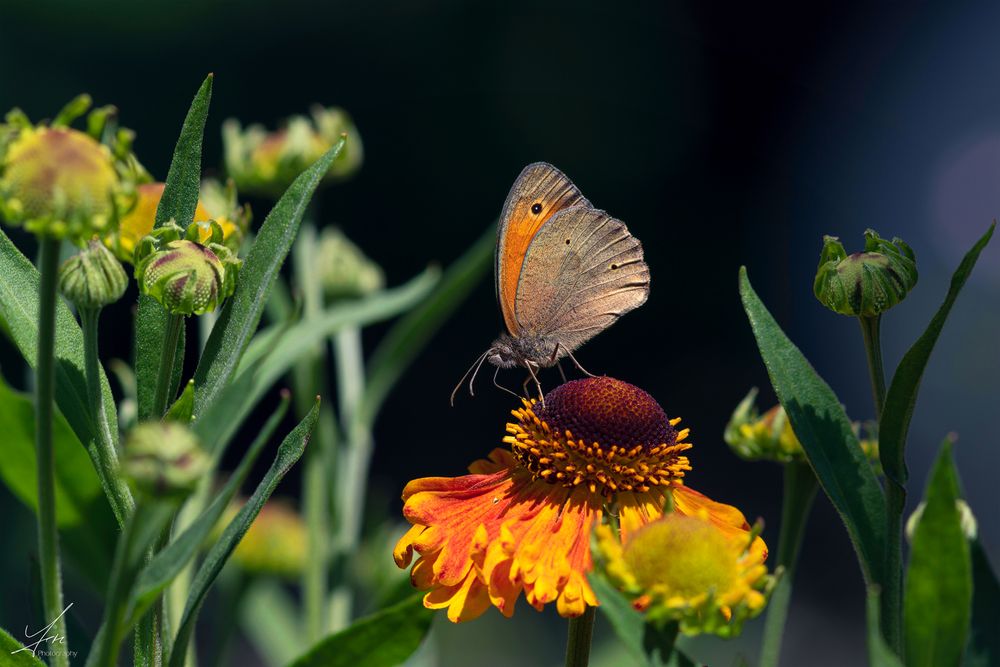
542, 184
583, 270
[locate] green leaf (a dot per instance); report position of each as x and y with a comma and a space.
183, 408
19, 310
179, 201
937, 600
289, 452
171, 560
902, 395
879, 653
14, 654
408, 336
983, 649
242, 312
384, 639
825, 432
276, 349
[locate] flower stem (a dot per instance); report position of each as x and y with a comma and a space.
165, 373
106, 461
892, 587
48, 536
581, 632
799, 492
870, 330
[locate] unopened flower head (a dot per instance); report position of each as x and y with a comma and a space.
164, 459
184, 275
684, 568
92, 278
265, 163
345, 271
867, 283
521, 522
769, 436
63, 183
217, 203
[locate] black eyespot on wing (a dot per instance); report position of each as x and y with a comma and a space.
536, 208
567, 241
614, 266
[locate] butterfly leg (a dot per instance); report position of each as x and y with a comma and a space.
561, 372
573, 359
538, 385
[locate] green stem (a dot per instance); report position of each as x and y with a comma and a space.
581, 633
870, 330
892, 587
353, 461
48, 536
106, 459
165, 372
799, 493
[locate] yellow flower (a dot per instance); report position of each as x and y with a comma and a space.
682, 567
139, 223
522, 521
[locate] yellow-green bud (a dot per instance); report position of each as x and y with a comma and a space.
185, 276
92, 278
344, 269
867, 283
265, 163
62, 183
164, 459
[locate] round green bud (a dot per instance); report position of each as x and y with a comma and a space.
164, 459
867, 283
344, 269
184, 275
93, 277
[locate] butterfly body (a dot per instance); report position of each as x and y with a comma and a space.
564, 270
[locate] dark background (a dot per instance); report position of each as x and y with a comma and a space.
722, 133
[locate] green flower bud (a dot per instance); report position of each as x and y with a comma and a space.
185, 276
62, 183
164, 459
265, 163
92, 278
344, 269
867, 283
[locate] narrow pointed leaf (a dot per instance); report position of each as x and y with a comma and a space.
983, 649
241, 314
902, 395
289, 452
14, 654
274, 351
384, 639
19, 310
407, 337
172, 559
937, 600
825, 432
179, 201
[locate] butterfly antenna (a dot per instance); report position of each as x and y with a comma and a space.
475, 365
500, 386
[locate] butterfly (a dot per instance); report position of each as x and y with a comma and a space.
564, 272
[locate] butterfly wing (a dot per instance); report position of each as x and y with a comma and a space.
539, 192
582, 271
